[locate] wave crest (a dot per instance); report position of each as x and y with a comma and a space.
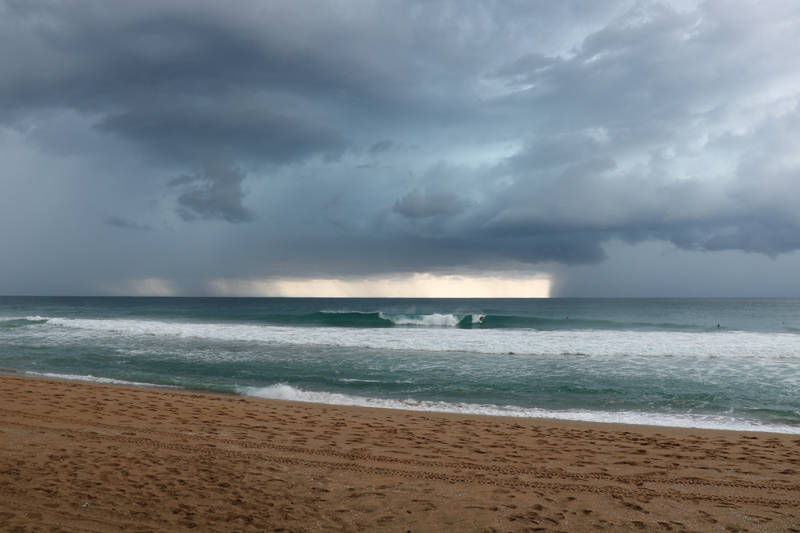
602, 343
434, 319
15, 322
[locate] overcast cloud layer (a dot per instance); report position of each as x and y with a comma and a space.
203, 140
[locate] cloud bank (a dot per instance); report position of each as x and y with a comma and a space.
363, 139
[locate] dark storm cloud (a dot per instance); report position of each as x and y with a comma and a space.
184, 84
621, 112
113, 220
207, 136
416, 205
536, 131
769, 239
199, 133
214, 193
99, 58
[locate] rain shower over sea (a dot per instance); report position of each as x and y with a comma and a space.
705, 363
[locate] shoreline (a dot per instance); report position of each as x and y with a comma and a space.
178, 389
165, 460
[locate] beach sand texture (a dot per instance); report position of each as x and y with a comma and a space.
152, 460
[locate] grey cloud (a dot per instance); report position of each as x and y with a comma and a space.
417, 205
381, 146
595, 201
646, 73
526, 67
93, 59
555, 151
637, 98
557, 128
191, 89
204, 136
113, 220
214, 193
192, 134
770, 240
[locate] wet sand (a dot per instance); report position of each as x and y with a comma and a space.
151, 460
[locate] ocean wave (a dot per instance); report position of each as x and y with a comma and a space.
434, 319
383, 319
286, 392
589, 343
15, 322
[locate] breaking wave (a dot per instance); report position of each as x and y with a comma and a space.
288, 393
736, 344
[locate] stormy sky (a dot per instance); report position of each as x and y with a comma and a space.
614, 148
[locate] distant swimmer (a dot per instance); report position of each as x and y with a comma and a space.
566, 318
717, 325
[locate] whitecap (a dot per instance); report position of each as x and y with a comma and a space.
287, 392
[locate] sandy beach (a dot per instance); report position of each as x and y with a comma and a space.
86, 457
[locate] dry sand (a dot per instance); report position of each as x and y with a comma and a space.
149, 460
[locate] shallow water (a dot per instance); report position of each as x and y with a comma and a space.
639, 361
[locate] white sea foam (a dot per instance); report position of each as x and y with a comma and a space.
590, 343
36, 319
94, 379
424, 320
287, 392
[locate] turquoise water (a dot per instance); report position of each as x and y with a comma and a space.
640, 361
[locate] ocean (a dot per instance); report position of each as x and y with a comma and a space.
703, 363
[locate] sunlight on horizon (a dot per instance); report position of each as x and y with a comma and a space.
141, 287
417, 286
